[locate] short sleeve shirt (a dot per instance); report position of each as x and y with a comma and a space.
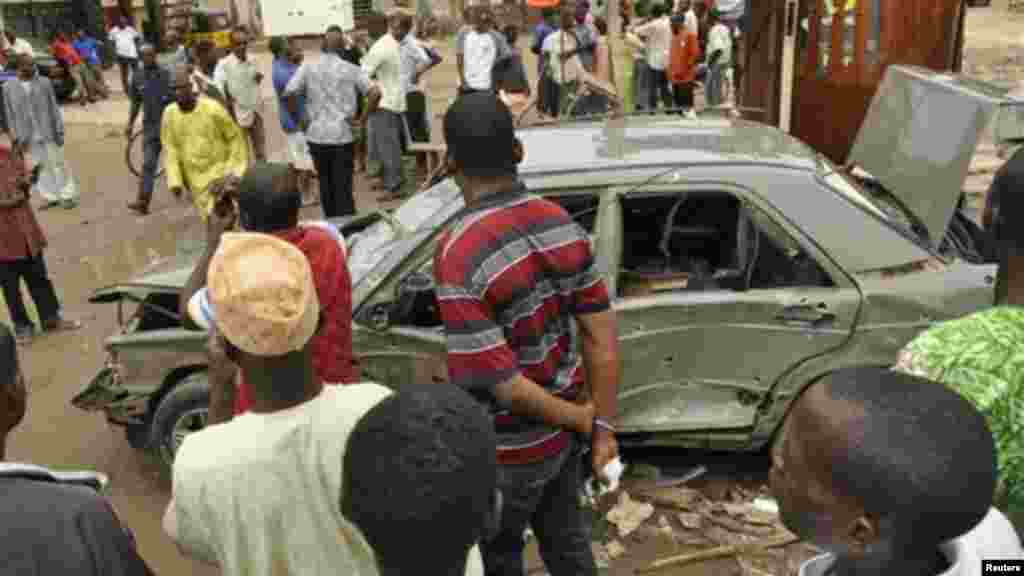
332, 87
413, 55
384, 63
124, 42
479, 54
512, 273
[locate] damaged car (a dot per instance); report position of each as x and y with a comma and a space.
742, 265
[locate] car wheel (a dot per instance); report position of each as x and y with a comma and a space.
181, 411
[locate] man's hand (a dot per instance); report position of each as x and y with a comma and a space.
221, 373
603, 449
220, 220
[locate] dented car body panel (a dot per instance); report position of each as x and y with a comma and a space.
751, 231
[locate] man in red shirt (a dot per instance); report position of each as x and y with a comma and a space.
531, 334
21, 253
268, 200
65, 53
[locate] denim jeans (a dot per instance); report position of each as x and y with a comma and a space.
545, 497
151, 149
714, 89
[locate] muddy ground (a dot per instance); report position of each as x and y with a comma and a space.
102, 243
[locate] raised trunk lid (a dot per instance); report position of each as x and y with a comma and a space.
920, 135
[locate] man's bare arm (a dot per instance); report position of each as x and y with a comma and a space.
601, 360
525, 397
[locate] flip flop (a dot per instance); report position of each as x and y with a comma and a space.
69, 204
49, 204
63, 325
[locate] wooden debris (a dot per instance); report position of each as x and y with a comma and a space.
738, 527
719, 552
678, 498
690, 520
628, 514
615, 549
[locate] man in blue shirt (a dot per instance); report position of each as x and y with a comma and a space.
88, 49
151, 92
287, 58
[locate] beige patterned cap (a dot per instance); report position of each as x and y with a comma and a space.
259, 294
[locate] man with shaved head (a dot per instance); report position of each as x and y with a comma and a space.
151, 92
239, 78
202, 143
890, 473
36, 127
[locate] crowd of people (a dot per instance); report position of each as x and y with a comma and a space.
306, 469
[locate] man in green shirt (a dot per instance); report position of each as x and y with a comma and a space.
981, 356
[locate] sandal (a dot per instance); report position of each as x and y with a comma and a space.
49, 204
69, 204
62, 325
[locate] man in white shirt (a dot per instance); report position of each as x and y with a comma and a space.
476, 52
126, 45
387, 117
239, 78
719, 58
890, 473
18, 45
260, 495
658, 35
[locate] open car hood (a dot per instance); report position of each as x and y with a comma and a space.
167, 275
920, 135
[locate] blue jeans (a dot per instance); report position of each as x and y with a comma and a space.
543, 496
715, 84
151, 149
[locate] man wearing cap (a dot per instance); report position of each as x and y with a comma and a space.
521, 295
269, 198
260, 495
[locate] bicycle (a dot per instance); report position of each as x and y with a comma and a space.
134, 156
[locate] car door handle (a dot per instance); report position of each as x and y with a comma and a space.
810, 314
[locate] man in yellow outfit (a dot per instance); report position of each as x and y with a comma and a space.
202, 143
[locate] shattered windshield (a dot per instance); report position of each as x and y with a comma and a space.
424, 211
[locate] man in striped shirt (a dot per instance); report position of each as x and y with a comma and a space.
519, 292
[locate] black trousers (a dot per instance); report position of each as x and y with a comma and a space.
334, 165
659, 87
544, 498
683, 96
416, 117
33, 270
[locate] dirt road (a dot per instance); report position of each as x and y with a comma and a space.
102, 243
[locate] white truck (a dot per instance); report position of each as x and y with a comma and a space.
307, 17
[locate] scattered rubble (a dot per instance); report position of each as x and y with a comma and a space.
628, 514
615, 549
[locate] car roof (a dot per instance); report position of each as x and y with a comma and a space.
648, 142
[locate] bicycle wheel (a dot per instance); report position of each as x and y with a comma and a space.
134, 155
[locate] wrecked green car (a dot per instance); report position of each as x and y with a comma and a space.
743, 265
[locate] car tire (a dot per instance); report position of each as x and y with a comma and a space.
184, 409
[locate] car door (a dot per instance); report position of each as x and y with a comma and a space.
396, 344
701, 352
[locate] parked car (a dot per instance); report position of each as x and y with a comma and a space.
743, 265
63, 83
